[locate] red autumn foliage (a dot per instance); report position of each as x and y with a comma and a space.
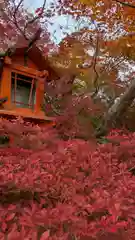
59, 189
79, 109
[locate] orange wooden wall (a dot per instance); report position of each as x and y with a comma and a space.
20, 60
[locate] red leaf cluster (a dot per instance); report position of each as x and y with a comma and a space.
59, 189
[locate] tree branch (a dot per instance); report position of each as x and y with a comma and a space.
36, 17
95, 82
93, 64
23, 31
117, 110
15, 19
125, 4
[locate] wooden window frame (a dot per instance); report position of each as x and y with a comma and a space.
32, 83
30, 72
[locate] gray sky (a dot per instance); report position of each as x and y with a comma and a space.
57, 33
34, 4
66, 21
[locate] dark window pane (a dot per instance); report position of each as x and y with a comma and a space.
22, 93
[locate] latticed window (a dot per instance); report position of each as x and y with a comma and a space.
23, 91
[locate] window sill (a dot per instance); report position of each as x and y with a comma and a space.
34, 116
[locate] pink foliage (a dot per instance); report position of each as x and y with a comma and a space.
60, 190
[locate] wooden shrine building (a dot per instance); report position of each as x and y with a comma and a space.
22, 84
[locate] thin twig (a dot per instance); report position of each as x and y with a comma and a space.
15, 19
125, 4
95, 82
36, 17
23, 32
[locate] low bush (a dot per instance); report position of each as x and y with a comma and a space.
57, 190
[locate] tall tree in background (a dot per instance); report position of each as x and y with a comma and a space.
103, 54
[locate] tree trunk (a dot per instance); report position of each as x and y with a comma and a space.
117, 111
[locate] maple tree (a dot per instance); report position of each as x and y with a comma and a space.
19, 27
98, 55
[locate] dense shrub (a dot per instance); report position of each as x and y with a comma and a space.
80, 118
66, 189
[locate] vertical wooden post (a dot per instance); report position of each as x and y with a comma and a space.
5, 90
40, 90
